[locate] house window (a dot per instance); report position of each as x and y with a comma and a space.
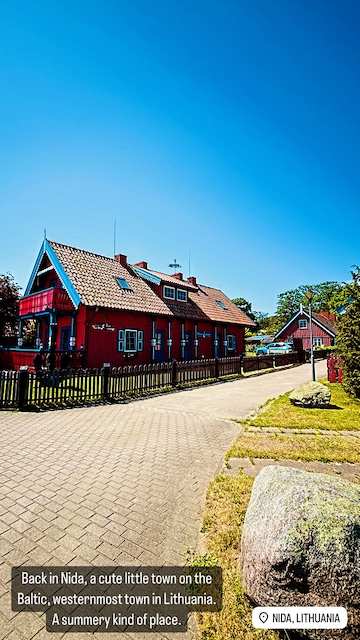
181, 295
317, 342
231, 342
130, 340
123, 283
169, 293
303, 324
220, 304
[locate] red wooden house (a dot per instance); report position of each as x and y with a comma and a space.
120, 313
297, 330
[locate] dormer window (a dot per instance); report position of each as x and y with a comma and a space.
169, 293
220, 304
181, 295
123, 284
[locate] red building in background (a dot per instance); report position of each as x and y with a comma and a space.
297, 330
121, 314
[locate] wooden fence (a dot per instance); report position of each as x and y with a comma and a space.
47, 389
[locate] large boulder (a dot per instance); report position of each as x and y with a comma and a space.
301, 544
311, 394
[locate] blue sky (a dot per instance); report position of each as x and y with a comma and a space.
230, 129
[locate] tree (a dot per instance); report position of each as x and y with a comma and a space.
325, 299
9, 297
348, 338
245, 306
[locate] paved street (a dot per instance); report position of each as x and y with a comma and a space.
120, 484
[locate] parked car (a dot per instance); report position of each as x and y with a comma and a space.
273, 348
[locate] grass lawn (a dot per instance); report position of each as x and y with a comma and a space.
297, 447
226, 504
344, 414
228, 496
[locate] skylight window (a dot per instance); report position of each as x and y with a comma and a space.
220, 304
123, 284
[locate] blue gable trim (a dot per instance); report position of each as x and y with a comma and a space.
35, 269
66, 282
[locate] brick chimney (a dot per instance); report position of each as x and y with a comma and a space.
120, 257
142, 264
192, 280
178, 275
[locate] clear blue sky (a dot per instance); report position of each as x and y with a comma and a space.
228, 128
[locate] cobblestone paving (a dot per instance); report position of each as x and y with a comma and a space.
120, 484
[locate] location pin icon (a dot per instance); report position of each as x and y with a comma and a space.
263, 616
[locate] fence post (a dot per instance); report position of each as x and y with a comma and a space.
217, 368
174, 373
23, 388
105, 376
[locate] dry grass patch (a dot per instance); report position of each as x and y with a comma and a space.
344, 414
226, 504
304, 447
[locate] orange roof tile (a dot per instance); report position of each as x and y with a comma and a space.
94, 277
218, 307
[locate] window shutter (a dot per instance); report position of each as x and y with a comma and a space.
140, 340
121, 340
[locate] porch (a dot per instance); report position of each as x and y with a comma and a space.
46, 321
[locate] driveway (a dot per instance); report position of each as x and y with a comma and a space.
120, 484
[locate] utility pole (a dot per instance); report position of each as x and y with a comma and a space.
310, 296
114, 237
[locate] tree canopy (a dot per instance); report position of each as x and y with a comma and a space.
9, 297
245, 306
327, 295
348, 338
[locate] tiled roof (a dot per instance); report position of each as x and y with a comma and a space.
326, 322
165, 277
187, 310
94, 277
202, 302
218, 307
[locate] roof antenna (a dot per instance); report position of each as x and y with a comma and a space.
114, 237
174, 265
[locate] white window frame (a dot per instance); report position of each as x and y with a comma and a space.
127, 333
184, 292
303, 323
167, 287
231, 342
318, 342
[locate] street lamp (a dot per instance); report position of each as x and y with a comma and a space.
310, 296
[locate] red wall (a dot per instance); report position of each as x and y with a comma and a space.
101, 343
302, 336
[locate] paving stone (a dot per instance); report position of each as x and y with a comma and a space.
121, 484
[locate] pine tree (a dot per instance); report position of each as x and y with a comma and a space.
348, 338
